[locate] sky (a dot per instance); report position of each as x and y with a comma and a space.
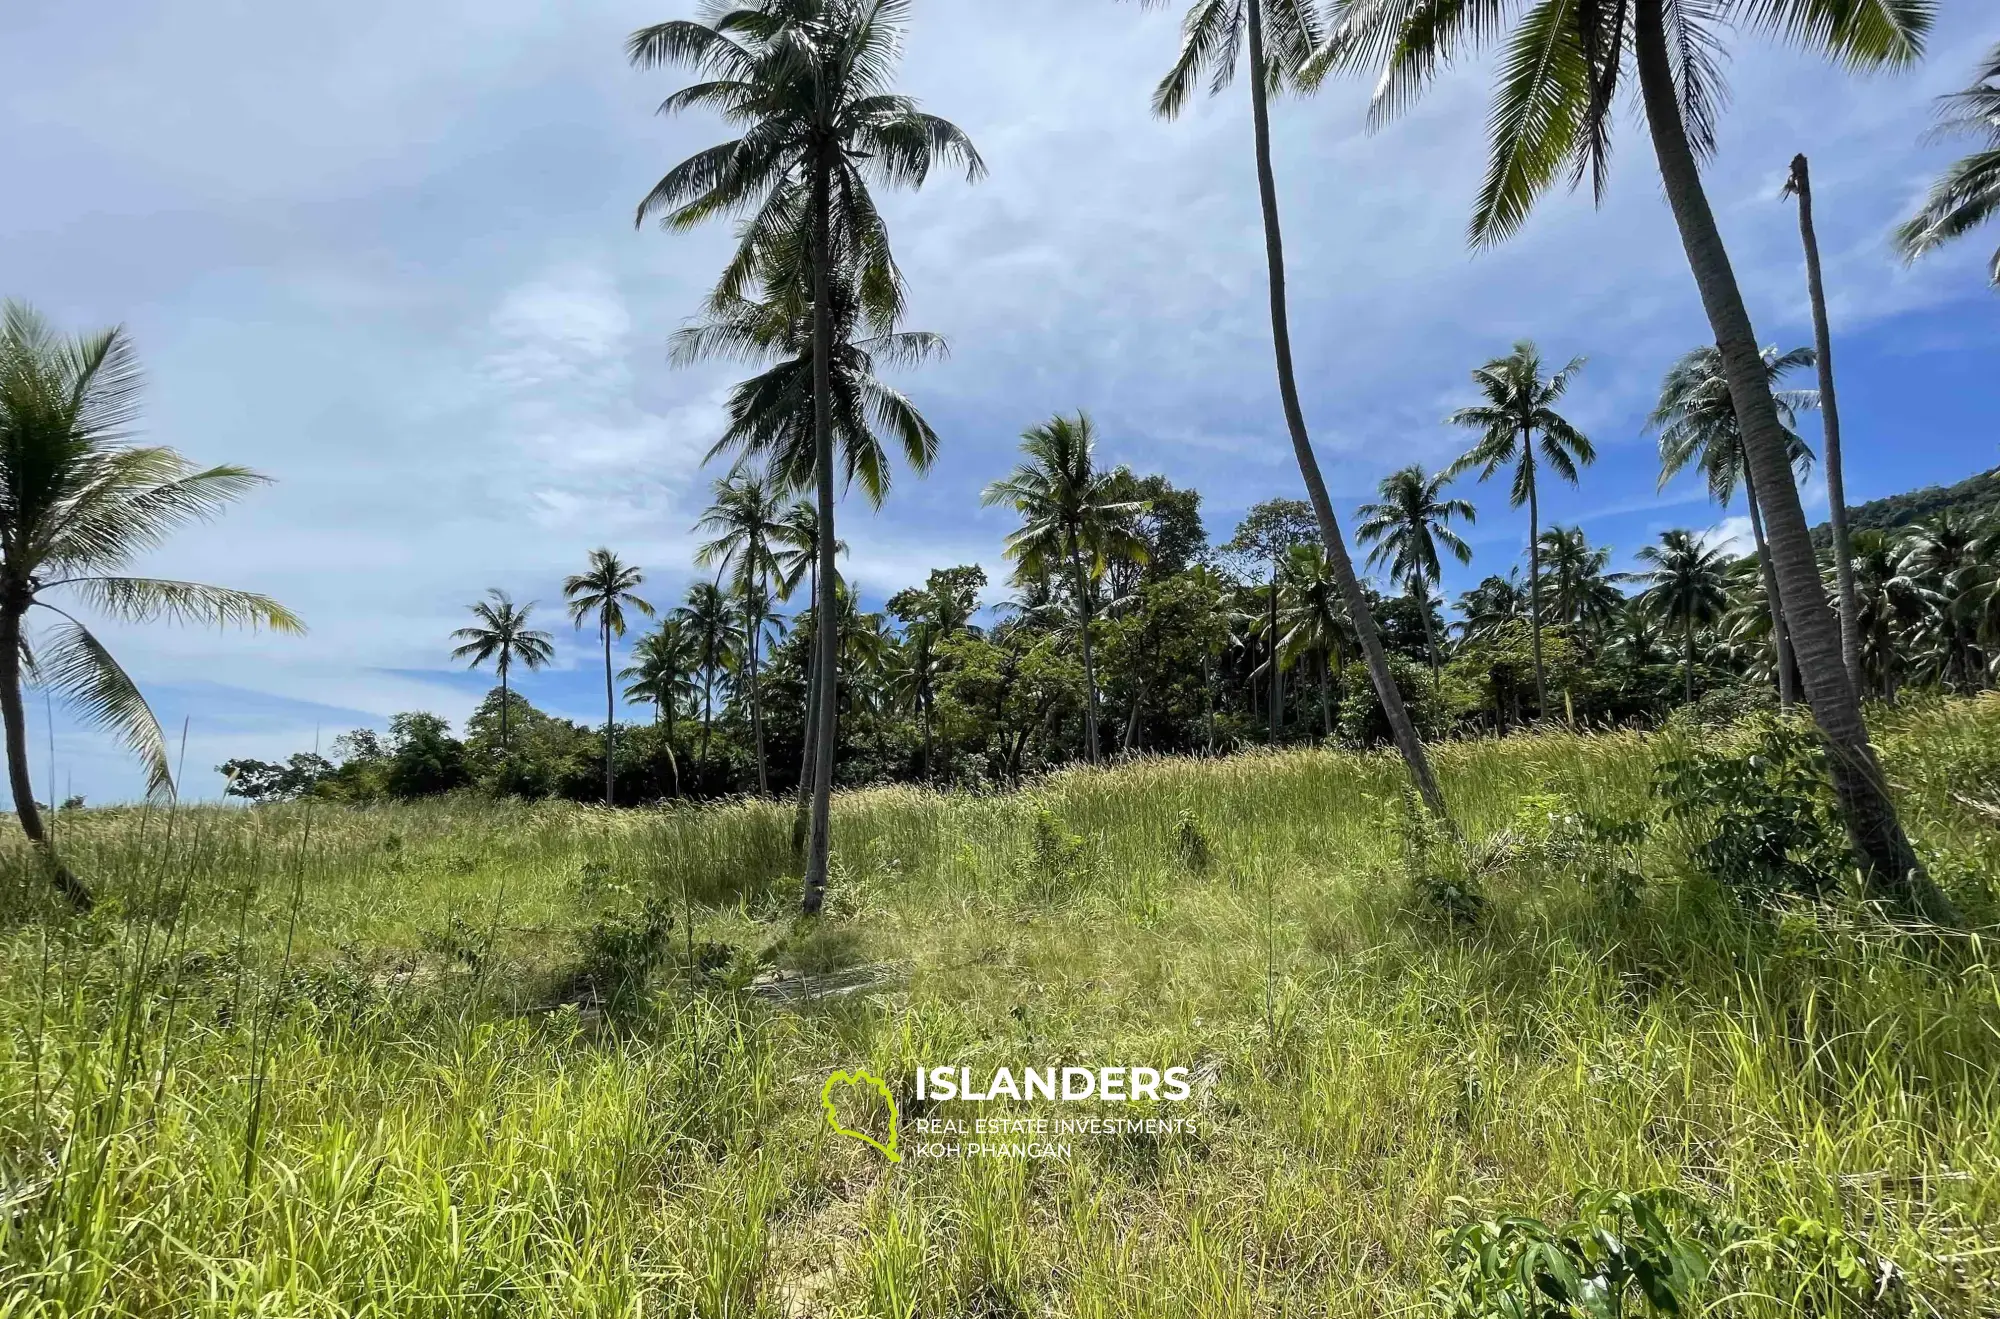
384, 253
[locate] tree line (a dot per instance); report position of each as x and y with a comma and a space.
812, 295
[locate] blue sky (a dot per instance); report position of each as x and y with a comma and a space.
384, 253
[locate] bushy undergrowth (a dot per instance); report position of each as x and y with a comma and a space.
325, 1061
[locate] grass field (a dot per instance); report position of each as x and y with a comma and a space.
451, 1059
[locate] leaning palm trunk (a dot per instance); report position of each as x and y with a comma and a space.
1829, 413
824, 637
1400, 727
1890, 863
1781, 641
15, 717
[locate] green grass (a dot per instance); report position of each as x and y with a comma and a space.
316, 1061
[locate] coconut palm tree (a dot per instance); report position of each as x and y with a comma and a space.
1891, 607
1491, 605
1696, 418
1278, 37
809, 81
1966, 195
77, 504
1942, 561
503, 636
1583, 591
1312, 620
662, 674
1551, 117
705, 620
604, 591
746, 526
1688, 586
1073, 522
1406, 527
1520, 405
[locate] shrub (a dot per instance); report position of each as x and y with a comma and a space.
1443, 875
1191, 846
620, 951
1654, 1247
1056, 864
1763, 817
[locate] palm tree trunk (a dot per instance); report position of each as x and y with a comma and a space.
825, 636
1421, 599
707, 712
802, 807
1829, 414
1325, 699
673, 760
1687, 661
756, 696
14, 715
1535, 576
1891, 863
1400, 727
1277, 692
1089, 666
1781, 640
610, 729
503, 711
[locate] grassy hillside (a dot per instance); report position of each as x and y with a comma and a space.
1975, 496
450, 1059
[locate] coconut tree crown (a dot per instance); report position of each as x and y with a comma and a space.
78, 503
1565, 62
1967, 194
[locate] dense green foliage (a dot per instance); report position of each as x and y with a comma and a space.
1974, 498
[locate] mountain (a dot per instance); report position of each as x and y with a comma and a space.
1976, 495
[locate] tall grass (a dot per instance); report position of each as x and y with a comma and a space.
357, 1065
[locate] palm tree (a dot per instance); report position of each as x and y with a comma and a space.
1073, 521
1552, 117
796, 554
1696, 418
705, 619
1968, 194
1585, 592
77, 504
1281, 37
745, 521
1406, 528
1799, 184
605, 590
809, 80
1312, 620
1890, 607
1942, 563
662, 674
1688, 585
1491, 605
502, 635
1520, 403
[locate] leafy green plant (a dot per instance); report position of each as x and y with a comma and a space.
1622, 1253
1056, 864
620, 951
1443, 874
1762, 817
1192, 848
